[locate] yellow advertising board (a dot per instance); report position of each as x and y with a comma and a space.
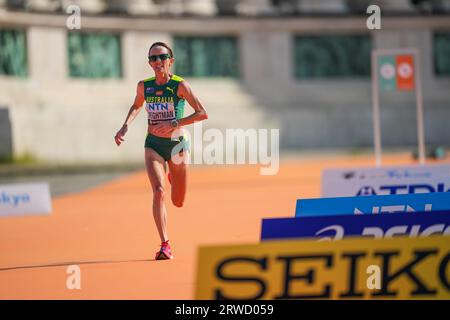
355, 268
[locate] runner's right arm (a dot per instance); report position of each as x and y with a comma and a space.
132, 113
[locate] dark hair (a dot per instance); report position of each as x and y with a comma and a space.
162, 44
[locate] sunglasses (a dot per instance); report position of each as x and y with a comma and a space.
161, 57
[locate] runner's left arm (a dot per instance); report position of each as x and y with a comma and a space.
185, 92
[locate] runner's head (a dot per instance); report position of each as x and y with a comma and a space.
160, 57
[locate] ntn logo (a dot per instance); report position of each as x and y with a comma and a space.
157, 106
394, 208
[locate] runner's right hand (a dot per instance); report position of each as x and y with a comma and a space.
120, 134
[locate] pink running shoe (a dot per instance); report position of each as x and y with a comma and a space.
165, 253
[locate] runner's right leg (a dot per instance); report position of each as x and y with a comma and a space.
156, 173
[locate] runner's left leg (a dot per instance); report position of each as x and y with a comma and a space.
178, 172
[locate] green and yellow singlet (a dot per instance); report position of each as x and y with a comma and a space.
161, 101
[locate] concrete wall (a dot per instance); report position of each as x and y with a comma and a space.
57, 118
5, 135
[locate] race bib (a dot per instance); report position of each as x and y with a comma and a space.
160, 112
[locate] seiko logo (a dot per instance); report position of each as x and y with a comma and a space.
300, 274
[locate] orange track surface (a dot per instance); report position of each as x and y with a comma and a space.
109, 230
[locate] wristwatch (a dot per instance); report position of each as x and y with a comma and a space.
174, 123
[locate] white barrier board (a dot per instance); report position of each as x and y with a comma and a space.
23, 199
385, 180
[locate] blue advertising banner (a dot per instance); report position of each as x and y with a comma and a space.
377, 226
436, 201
